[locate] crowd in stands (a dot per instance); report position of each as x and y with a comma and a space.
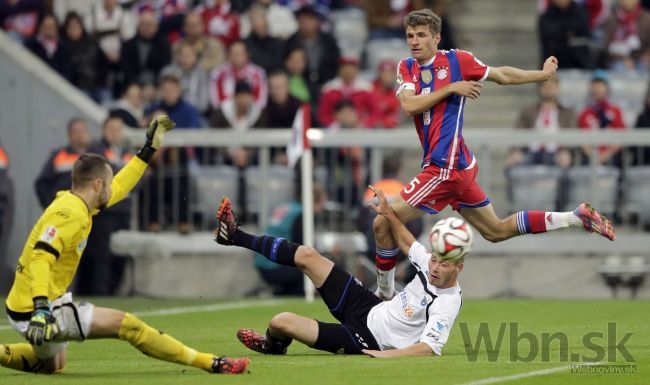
588, 34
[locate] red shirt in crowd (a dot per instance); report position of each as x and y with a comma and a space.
388, 108
224, 78
221, 22
602, 115
359, 93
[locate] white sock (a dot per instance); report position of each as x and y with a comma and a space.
555, 220
386, 281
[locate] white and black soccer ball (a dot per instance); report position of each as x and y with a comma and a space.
451, 239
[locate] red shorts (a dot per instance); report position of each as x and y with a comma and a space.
435, 188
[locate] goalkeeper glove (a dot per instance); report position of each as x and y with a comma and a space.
42, 326
155, 133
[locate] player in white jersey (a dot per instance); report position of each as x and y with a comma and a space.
415, 322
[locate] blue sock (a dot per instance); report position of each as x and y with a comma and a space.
275, 249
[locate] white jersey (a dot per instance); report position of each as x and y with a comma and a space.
420, 313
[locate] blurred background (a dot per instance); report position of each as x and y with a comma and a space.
82, 76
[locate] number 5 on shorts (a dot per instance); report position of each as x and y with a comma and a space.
411, 185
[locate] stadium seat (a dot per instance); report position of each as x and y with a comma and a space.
534, 186
211, 184
278, 186
350, 30
637, 192
382, 49
603, 195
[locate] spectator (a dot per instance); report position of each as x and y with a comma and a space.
83, 8
564, 32
56, 174
237, 69
548, 116
211, 51
266, 51
130, 107
47, 45
349, 160
101, 270
296, 65
281, 21
111, 24
321, 48
286, 222
87, 61
174, 173
598, 10
604, 115
281, 109
220, 20
282, 106
146, 54
321, 7
171, 14
19, 18
627, 37
194, 79
239, 113
177, 108
6, 204
386, 18
349, 86
387, 107
642, 155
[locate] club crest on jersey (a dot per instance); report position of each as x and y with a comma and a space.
49, 234
426, 76
442, 74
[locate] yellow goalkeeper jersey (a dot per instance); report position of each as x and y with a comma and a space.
53, 250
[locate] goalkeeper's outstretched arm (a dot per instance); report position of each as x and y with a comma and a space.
128, 177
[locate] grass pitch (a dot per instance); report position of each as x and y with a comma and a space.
209, 325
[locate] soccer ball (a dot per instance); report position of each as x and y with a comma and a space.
451, 239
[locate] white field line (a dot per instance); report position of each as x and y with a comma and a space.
534, 373
197, 309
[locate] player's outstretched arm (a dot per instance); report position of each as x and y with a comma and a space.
413, 104
128, 177
401, 234
419, 349
512, 75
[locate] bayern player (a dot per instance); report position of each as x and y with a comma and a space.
433, 88
417, 322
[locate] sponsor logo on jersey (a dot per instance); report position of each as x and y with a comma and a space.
442, 74
49, 234
426, 76
406, 306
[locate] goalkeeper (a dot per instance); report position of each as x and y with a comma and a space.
39, 307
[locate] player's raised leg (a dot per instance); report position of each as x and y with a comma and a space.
282, 330
495, 229
278, 250
110, 323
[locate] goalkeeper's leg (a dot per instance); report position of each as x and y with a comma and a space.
109, 323
22, 357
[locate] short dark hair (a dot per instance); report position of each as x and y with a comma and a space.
243, 87
111, 116
87, 168
424, 17
343, 103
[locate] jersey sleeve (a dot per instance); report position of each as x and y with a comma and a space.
404, 78
59, 228
471, 68
442, 315
125, 180
419, 255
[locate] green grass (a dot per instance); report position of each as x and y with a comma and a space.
116, 362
